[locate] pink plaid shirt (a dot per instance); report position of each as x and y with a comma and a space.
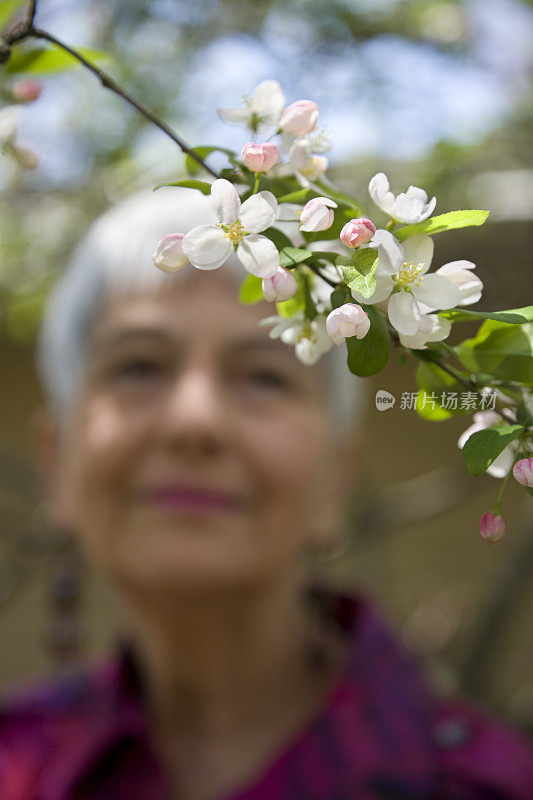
379, 736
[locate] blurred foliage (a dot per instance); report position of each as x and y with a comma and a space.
94, 149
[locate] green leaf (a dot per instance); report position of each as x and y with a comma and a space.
444, 222
340, 296
189, 183
483, 447
325, 255
524, 412
279, 238
204, 150
251, 290
359, 271
511, 315
439, 392
7, 9
295, 197
290, 256
369, 355
46, 61
339, 197
501, 349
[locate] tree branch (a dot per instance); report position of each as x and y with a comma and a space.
32, 9
108, 82
26, 29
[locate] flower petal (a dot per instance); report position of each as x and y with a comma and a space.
418, 340
404, 313
441, 328
411, 206
437, 291
169, 255
459, 272
391, 256
258, 212
384, 286
379, 191
419, 250
206, 247
225, 201
268, 101
238, 115
258, 255
503, 462
299, 153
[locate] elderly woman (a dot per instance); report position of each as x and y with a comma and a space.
198, 463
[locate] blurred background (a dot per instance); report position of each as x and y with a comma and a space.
436, 93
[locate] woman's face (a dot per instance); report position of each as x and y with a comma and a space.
199, 452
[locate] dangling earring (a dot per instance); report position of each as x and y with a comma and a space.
63, 632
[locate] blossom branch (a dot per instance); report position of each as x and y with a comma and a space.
26, 30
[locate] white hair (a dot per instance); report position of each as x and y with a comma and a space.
116, 256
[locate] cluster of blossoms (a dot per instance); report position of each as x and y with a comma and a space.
383, 287
21, 92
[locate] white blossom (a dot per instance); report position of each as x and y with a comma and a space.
401, 275
306, 166
317, 214
460, 272
261, 111
411, 206
347, 320
238, 227
169, 255
432, 329
310, 338
280, 286
299, 118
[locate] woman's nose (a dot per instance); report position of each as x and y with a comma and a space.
194, 418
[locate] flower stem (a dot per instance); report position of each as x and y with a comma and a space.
257, 176
497, 502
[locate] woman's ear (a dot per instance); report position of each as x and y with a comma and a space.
45, 444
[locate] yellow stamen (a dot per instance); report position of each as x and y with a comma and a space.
307, 333
409, 274
234, 232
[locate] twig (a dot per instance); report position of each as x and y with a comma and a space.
32, 9
26, 29
316, 270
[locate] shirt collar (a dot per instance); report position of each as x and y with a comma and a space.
372, 729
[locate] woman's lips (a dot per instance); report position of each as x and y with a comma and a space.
194, 500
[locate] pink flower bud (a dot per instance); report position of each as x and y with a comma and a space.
523, 471
347, 320
317, 214
260, 157
25, 91
280, 286
299, 118
491, 527
169, 255
357, 231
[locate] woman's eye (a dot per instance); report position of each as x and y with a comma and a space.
268, 379
137, 369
